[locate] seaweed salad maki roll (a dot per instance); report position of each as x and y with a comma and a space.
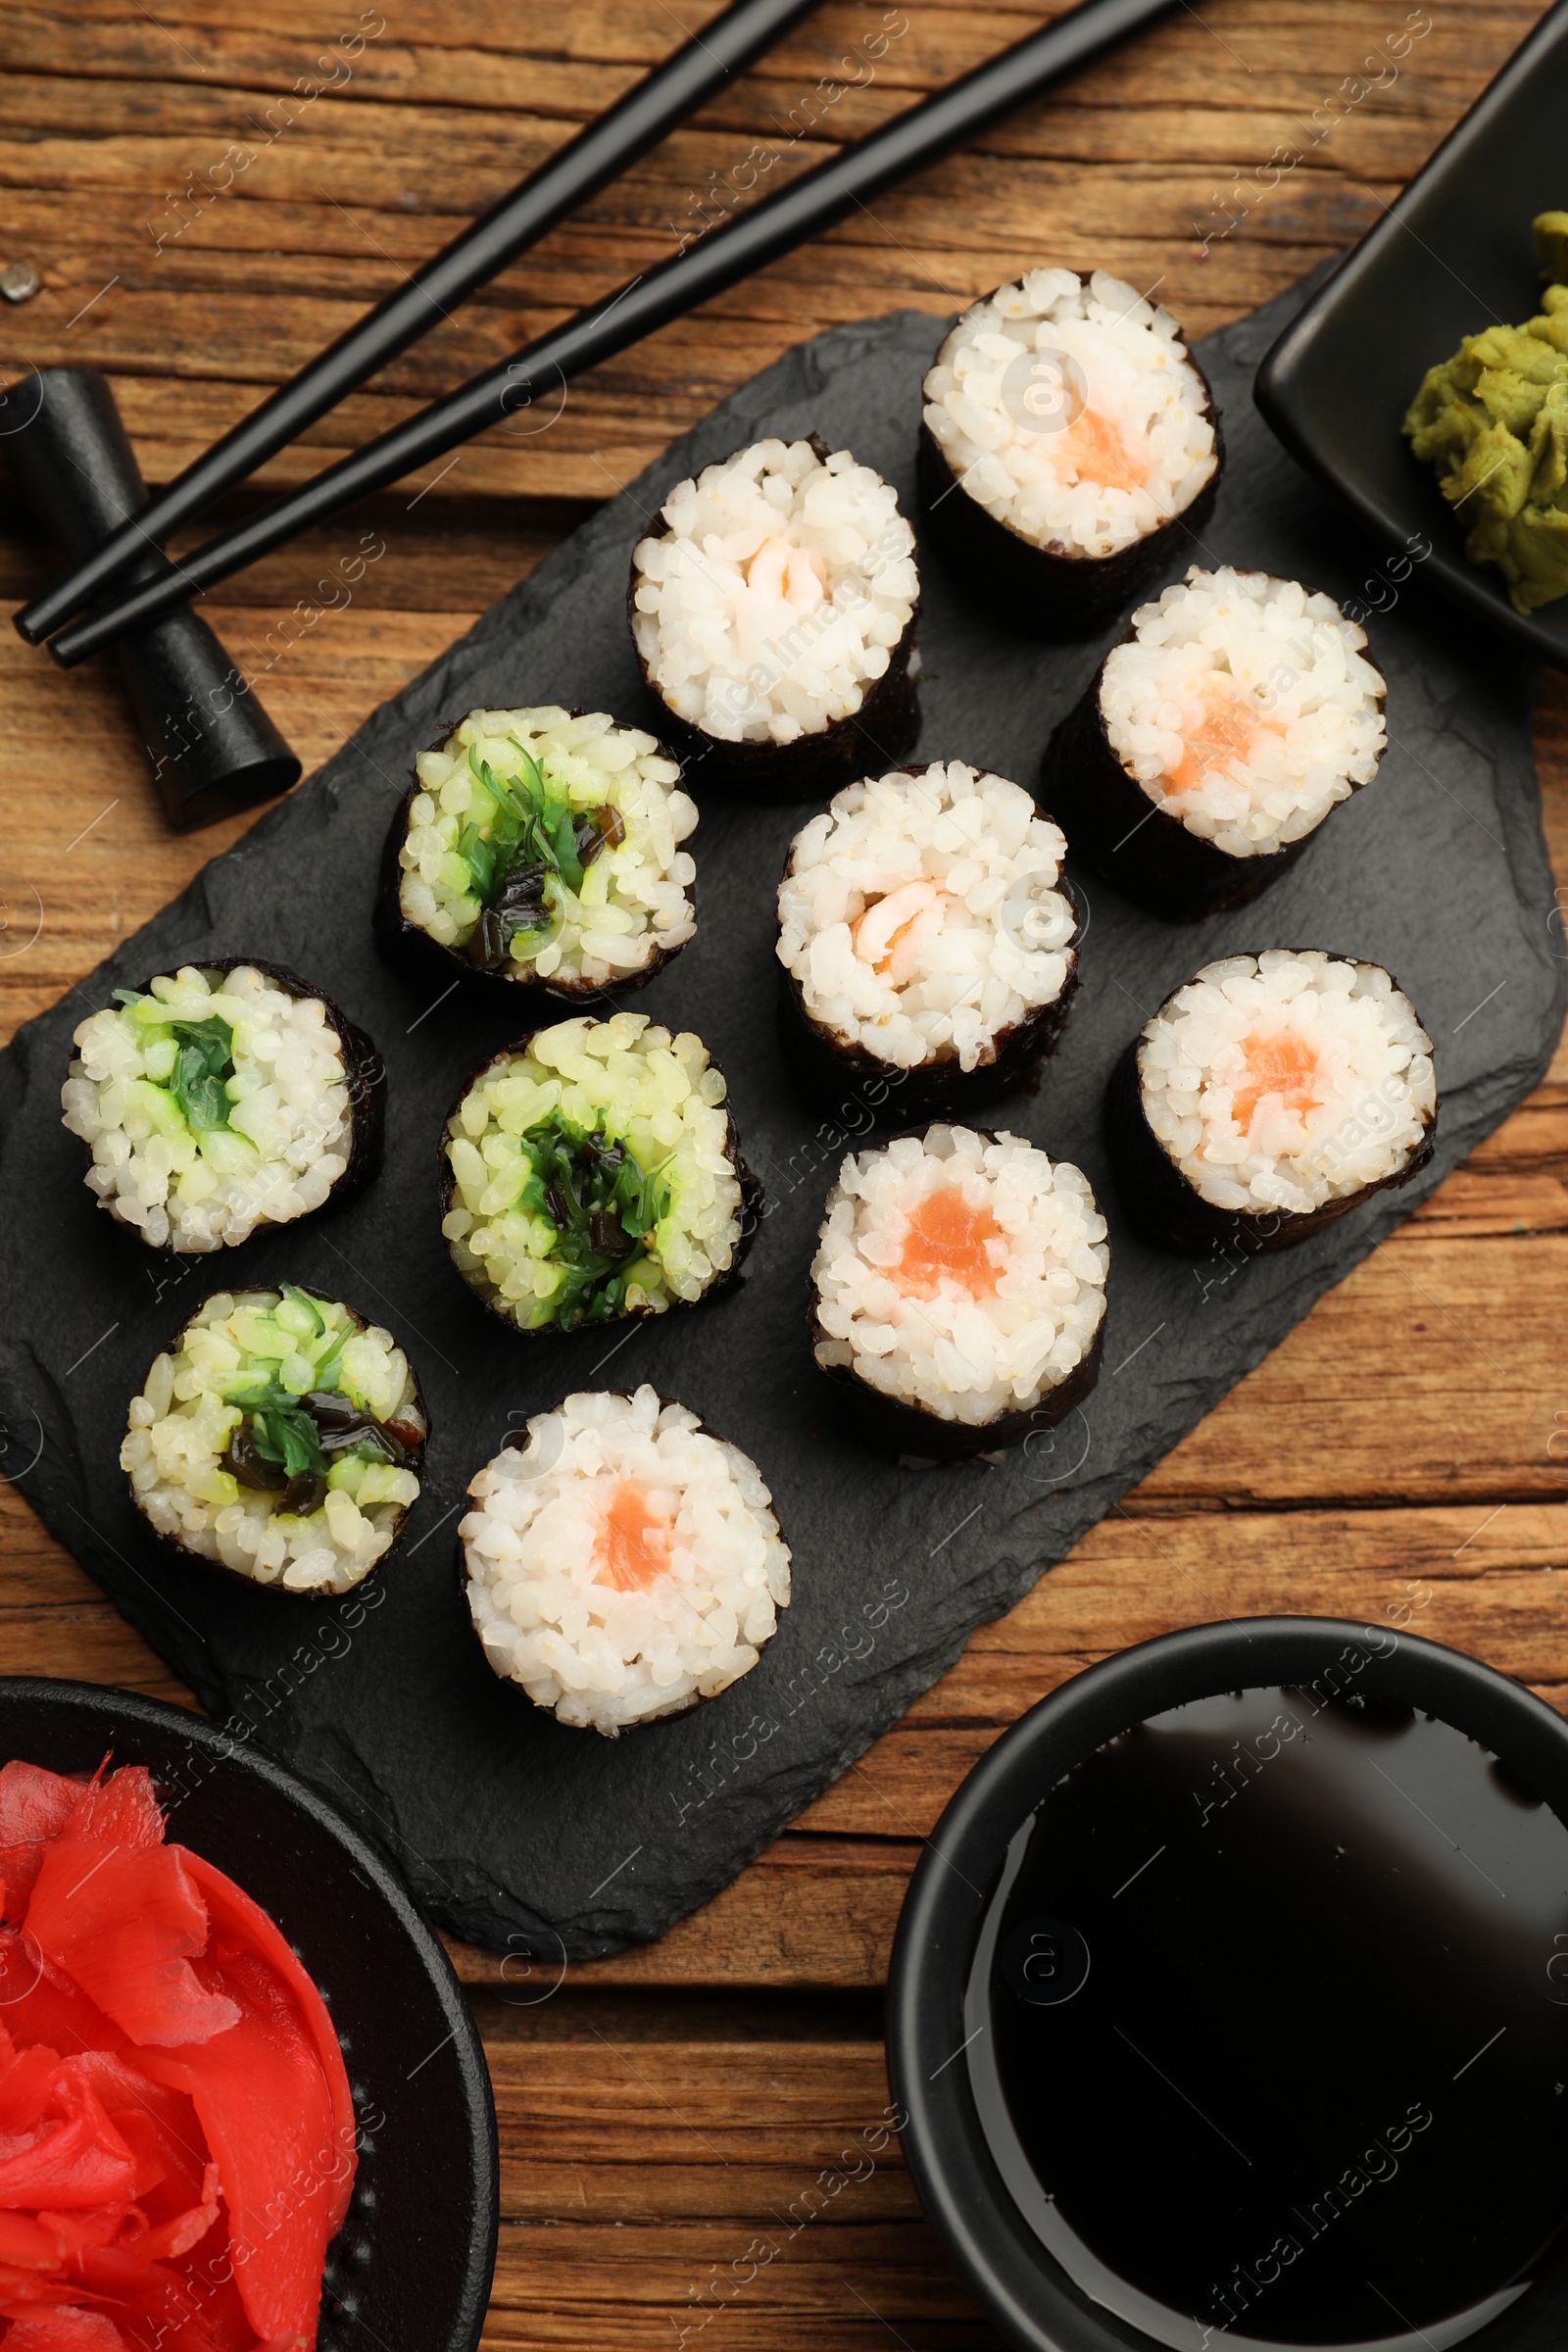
929, 941
773, 609
281, 1437
1068, 444
540, 847
591, 1172
959, 1289
1267, 1097
622, 1563
222, 1098
1235, 717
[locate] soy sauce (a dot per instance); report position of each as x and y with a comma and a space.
1269, 2021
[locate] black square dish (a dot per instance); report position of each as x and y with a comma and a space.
1452, 256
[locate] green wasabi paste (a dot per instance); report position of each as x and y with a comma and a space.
1493, 421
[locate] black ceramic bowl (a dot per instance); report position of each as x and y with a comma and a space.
1453, 255
411, 2264
1155, 2107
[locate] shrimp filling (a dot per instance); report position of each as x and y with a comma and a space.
923, 917
776, 595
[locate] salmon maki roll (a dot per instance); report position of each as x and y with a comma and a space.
1236, 716
1068, 444
1269, 1097
959, 1292
622, 1562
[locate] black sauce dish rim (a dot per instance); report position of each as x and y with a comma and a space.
1031, 2299
1450, 256
412, 2262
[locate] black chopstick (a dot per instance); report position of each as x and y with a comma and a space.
605, 147
716, 261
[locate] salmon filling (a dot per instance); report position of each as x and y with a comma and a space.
633, 1548
1227, 730
1093, 448
1283, 1064
946, 1240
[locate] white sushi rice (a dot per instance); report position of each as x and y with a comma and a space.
288, 1135
1126, 446
964, 1356
1352, 1092
921, 915
180, 1426
1245, 706
606, 1645
634, 901
778, 594
636, 1084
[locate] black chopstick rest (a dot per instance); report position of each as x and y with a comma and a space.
213, 747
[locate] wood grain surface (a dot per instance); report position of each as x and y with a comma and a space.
691, 2134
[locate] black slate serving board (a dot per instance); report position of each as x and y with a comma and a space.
512, 1829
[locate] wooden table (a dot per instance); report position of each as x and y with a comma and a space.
673, 2122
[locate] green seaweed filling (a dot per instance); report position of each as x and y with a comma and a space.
203, 1064
1493, 421
523, 854
603, 1206
289, 1442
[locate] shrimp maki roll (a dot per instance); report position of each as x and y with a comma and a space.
1267, 1097
539, 848
773, 609
279, 1437
929, 941
222, 1097
591, 1174
1238, 712
622, 1562
1069, 445
959, 1289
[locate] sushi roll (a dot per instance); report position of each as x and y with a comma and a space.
621, 1563
1069, 445
959, 1292
279, 1437
221, 1098
928, 939
1215, 740
541, 848
591, 1174
773, 609
1267, 1097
